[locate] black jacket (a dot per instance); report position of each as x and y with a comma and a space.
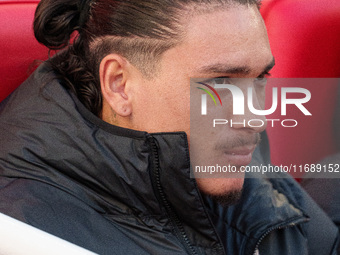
118, 191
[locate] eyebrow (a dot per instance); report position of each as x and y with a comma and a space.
220, 68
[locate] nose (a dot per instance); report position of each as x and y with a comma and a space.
249, 120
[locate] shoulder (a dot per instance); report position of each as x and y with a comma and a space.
40, 204
277, 216
320, 232
59, 213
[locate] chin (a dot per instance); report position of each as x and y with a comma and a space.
225, 191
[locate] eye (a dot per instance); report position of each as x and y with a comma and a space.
263, 76
221, 80
217, 80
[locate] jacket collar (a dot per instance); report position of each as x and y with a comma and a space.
266, 205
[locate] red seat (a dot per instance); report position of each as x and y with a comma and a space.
18, 46
305, 41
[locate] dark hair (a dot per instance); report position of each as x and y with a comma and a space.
139, 30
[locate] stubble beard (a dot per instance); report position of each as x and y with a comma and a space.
227, 199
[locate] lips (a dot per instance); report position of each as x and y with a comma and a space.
240, 156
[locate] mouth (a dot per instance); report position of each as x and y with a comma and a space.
239, 156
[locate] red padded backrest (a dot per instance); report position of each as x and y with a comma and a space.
18, 46
304, 37
305, 40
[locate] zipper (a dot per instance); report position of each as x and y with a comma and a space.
179, 229
284, 225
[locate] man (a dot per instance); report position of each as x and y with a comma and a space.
95, 144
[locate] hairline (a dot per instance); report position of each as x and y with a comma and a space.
147, 62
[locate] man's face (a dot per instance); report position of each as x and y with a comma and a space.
226, 43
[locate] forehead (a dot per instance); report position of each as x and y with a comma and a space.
233, 36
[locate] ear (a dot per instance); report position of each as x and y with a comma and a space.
113, 74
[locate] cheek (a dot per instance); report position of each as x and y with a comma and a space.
176, 107
261, 96
162, 109
172, 101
